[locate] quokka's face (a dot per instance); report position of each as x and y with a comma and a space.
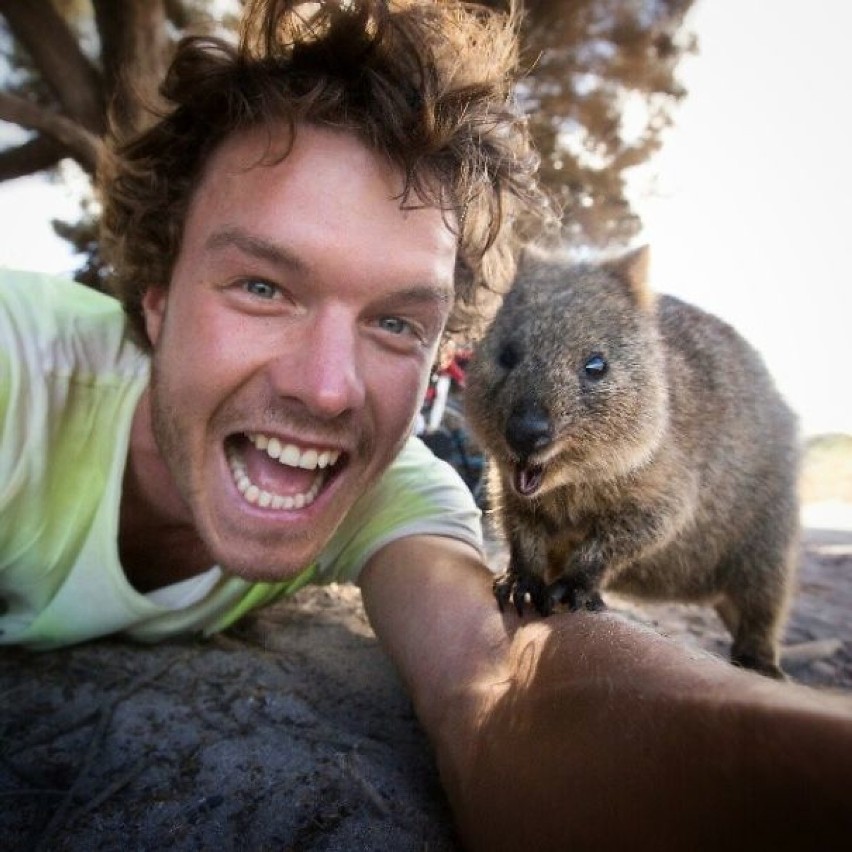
567, 383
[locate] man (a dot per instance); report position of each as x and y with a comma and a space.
290, 241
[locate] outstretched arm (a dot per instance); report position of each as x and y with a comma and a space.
586, 731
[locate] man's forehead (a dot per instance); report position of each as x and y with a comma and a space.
308, 147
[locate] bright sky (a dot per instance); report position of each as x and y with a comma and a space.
748, 214
27, 206
753, 190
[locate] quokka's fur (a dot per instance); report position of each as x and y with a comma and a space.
638, 444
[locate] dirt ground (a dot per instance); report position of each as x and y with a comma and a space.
291, 733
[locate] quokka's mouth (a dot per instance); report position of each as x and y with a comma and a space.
527, 479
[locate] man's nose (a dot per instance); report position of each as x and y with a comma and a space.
324, 370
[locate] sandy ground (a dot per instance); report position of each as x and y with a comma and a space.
291, 733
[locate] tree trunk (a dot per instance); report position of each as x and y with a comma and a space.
79, 142
63, 66
135, 50
31, 157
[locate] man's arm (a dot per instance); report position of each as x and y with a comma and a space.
586, 731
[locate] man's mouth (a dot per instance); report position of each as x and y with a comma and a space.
274, 474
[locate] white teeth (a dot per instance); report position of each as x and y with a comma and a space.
309, 459
291, 455
259, 496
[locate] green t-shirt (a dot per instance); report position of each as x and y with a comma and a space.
70, 379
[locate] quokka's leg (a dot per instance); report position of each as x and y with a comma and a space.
522, 582
755, 610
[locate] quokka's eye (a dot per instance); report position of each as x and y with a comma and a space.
595, 366
508, 356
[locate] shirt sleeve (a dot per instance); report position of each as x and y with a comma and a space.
418, 495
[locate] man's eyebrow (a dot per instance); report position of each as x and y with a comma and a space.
252, 245
439, 293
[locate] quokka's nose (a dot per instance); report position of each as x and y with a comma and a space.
528, 429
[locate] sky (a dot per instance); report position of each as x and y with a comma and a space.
749, 213
744, 208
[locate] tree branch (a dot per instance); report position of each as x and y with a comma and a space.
135, 49
64, 67
31, 157
82, 145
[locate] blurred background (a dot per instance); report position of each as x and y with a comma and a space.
711, 129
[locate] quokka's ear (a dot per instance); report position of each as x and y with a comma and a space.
529, 255
632, 269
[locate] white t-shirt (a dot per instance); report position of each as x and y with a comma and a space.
70, 379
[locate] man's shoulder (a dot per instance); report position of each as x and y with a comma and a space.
416, 462
37, 295
417, 482
61, 325
419, 494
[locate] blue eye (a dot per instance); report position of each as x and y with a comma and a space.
595, 367
261, 289
394, 325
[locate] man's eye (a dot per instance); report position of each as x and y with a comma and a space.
394, 325
261, 289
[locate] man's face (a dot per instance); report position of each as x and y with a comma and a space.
292, 348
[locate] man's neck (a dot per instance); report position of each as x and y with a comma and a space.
157, 541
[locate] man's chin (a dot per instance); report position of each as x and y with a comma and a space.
256, 572
269, 546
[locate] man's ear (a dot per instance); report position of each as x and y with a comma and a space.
154, 303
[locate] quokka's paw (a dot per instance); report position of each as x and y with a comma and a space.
520, 589
575, 595
765, 667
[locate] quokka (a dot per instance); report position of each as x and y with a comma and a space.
637, 444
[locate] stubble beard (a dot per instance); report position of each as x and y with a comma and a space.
167, 436
170, 435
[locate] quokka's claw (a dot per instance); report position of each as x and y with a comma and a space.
577, 597
502, 588
521, 589
519, 594
540, 598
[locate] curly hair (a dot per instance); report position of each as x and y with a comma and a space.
427, 83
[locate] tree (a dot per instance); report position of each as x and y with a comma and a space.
63, 91
593, 64
67, 62
600, 92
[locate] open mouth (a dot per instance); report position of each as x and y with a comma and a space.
527, 478
274, 474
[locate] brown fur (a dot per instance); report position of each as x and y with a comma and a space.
666, 471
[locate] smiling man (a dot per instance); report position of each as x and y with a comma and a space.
290, 239
310, 350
